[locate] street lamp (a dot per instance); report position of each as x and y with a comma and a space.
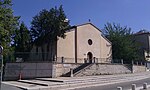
1, 58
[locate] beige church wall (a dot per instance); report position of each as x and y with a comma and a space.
100, 47
66, 47
105, 51
84, 33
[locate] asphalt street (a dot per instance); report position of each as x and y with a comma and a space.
125, 85
8, 87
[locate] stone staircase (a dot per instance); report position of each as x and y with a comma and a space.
90, 69
66, 83
77, 70
103, 69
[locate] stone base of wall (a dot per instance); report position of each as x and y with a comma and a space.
104, 69
136, 68
60, 69
109, 69
15, 71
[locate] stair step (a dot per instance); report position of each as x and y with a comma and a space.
39, 82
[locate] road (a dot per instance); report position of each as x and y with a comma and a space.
8, 87
125, 85
107, 81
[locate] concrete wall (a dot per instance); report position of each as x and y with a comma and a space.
137, 68
104, 69
60, 69
27, 70
34, 70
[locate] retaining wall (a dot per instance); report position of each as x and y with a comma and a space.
104, 69
109, 69
137, 68
13, 71
60, 69
27, 70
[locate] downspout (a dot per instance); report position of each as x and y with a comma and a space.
148, 46
75, 44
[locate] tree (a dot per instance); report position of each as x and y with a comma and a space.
47, 26
22, 39
123, 44
8, 23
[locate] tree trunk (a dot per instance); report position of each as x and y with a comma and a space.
47, 54
42, 48
51, 48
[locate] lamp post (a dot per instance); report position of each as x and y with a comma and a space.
1, 58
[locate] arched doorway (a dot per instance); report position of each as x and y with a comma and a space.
90, 57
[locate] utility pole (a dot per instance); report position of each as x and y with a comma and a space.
1, 58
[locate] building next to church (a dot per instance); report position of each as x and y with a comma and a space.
143, 39
83, 43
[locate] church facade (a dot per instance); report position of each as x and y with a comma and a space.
83, 43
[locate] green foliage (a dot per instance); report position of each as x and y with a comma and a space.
46, 27
22, 39
123, 44
8, 23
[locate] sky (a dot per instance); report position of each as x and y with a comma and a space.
131, 13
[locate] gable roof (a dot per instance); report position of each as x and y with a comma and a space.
90, 24
144, 33
75, 26
72, 29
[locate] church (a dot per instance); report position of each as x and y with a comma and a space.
83, 43
85, 51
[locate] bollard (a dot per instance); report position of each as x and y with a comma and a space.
20, 76
71, 71
145, 86
121, 61
119, 88
133, 86
136, 63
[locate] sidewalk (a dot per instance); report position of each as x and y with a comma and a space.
76, 82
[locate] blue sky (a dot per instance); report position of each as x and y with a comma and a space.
131, 13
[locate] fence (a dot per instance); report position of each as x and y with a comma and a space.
41, 57
48, 57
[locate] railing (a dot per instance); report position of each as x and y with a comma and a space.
47, 57
82, 60
64, 60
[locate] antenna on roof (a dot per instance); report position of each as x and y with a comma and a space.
89, 20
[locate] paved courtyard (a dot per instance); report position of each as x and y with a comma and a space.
64, 83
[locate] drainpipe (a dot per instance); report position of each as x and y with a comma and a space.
75, 44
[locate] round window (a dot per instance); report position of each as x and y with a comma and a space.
90, 42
